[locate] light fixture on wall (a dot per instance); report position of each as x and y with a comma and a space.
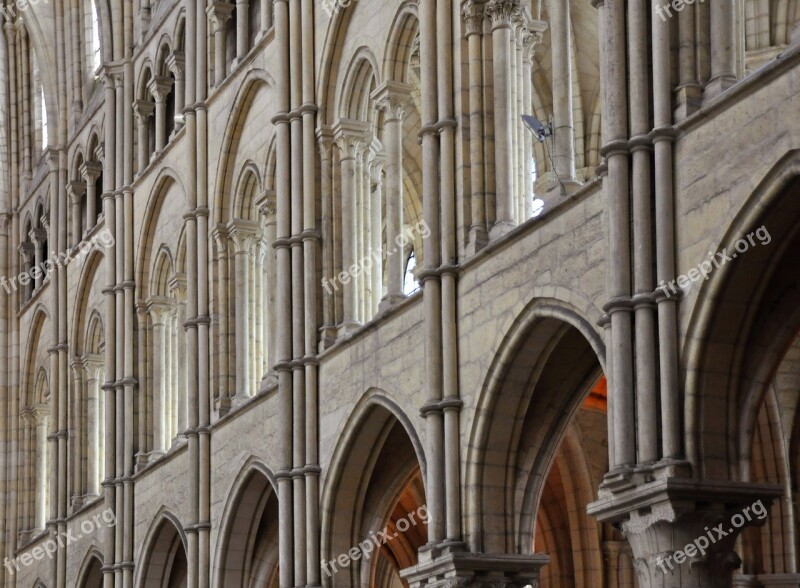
540, 130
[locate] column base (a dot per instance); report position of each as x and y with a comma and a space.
389, 301
450, 566
327, 336
682, 531
688, 99
268, 382
559, 189
240, 400
717, 86
500, 229
346, 329
477, 240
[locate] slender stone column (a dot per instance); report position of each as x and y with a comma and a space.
663, 135
243, 235
688, 94
77, 431
176, 62
26, 250
143, 110
242, 29
94, 425
392, 98
266, 18
645, 358
531, 37
219, 13
474, 19
76, 191
159, 88
502, 14
41, 415
431, 281
159, 311
91, 171
349, 136
268, 209
38, 238
722, 48
329, 288
616, 186
283, 366
222, 239
563, 124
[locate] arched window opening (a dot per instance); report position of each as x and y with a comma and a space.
40, 419
231, 41
169, 107
250, 264
254, 22
167, 308
26, 251
43, 110
95, 57
410, 283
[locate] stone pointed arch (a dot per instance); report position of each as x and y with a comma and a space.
167, 180
249, 186
399, 44
90, 573
33, 348
89, 273
245, 536
361, 78
728, 371
533, 349
163, 551
362, 490
254, 81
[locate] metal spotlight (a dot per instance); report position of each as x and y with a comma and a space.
539, 129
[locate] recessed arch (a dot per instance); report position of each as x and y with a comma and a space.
727, 371
377, 471
91, 570
254, 82
163, 562
247, 551
546, 364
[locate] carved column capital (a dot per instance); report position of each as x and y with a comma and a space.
76, 191
350, 137
219, 13
392, 98
502, 13
159, 87
474, 15
176, 63
90, 171
27, 250
532, 35
38, 236
243, 234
